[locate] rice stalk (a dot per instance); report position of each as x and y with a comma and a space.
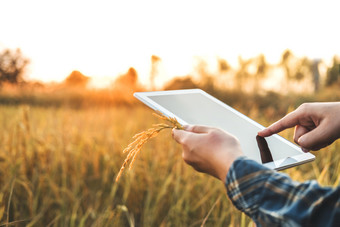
143, 137
211, 209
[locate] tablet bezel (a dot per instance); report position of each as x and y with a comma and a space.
276, 164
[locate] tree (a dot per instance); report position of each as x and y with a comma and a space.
242, 73
127, 82
155, 62
76, 79
223, 65
207, 79
300, 69
316, 74
12, 66
181, 83
306, 68
333, 73
285, 63
261, 71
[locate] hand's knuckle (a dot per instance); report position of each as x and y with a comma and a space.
304, 107
213, 135
184, 140
193, 128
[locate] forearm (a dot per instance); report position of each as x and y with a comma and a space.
273, 199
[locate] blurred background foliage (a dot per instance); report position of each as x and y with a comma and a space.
61, 142
254, 84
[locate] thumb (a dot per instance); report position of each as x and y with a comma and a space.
179, 135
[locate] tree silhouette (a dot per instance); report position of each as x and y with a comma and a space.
333, 73
242, 73
285, 60
155, 62
223, 65
181, 83
261, 71
12, 66
300, 69
305, 68
316, 74
127, 82
207, 79
76, 79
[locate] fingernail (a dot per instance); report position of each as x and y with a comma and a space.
261, 132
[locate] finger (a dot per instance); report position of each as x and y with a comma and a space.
186, 138
315, 148
290, 120
320, 146
299, 131
316, 138
198, 128
178, 135
304, 149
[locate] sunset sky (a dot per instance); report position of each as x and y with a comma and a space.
104, 38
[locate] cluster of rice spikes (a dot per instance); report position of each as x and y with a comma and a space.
143, 137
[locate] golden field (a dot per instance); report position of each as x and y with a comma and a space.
61, 142
58, 167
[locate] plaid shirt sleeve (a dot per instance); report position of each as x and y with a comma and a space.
273, 199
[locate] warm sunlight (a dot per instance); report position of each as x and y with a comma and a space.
168, 88
102, 39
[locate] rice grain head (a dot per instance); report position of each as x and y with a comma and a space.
143, 137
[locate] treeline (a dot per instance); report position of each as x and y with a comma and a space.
255, 86
291, 74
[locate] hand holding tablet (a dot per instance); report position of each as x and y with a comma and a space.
252, 188
208, 150
196, 107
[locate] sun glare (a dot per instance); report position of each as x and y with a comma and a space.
103, 39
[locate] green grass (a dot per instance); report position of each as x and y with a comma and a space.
58, 166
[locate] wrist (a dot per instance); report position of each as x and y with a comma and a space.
224, 169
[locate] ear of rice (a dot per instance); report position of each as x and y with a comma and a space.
143, 137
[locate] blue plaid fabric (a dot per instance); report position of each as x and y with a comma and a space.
274, 199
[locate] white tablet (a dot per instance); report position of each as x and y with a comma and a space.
196, 107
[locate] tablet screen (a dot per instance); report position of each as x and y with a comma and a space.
198, 109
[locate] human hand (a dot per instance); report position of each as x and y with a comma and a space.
208, 150
317, 125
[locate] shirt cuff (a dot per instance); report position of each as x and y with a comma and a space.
244, 183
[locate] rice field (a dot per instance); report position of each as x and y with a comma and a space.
58, 168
